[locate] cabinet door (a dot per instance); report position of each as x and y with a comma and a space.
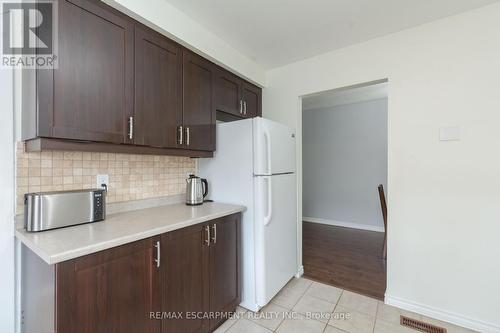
184, 285
109, 291
90, 95
252, 97
198, 105
158, 89
228, 93
225, 284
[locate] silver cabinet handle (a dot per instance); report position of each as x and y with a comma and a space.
245, 108
241, 106
130, 128
214, 237
181, 134
207, 239
158, 254
188, 138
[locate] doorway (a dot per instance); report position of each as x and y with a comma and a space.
344, 161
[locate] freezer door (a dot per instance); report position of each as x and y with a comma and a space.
274, 147
275, 234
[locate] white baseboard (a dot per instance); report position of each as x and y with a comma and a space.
300, 272
450, 317
344, 224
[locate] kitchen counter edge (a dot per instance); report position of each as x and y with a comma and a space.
29, 239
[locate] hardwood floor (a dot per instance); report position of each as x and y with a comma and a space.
347, 258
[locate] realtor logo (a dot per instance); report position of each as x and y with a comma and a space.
29, 34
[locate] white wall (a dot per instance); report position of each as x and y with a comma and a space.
164, 17
344, 151
6, 202
444, 211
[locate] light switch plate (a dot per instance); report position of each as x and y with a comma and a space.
102, 179
450, 133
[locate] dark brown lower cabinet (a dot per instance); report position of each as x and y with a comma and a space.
108, 291
225, 286
186, 281
201, 275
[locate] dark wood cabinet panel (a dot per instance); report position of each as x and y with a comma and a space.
198, 102
109, 291
185, 276
187, 280
114, 72
90, 94
228, 93
225, 286
252, 99
236, 98
158, 89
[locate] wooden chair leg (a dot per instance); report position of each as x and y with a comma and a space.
383, 206
384, 250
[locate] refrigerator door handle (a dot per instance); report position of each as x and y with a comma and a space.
268, 217
268, 150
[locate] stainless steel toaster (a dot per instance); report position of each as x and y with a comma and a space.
50, 210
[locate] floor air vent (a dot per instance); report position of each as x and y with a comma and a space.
421, 326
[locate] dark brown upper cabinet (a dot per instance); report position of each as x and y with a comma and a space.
228, 93
158, 90
198, 102
123, 87
252, 100
91, 92
236, 97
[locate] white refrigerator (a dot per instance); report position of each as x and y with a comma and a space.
254, 166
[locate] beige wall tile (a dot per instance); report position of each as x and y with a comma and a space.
131, 176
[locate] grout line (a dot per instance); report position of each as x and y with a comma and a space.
302, 295
235, 321
335, 307
376, 317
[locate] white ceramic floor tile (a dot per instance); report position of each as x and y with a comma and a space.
299, 285
287, 298
307, 297
247, 326
331, 329
325, 292
225, 326
239, 313
317, 308
382, 326
359, 303
392, 314
301, 325
270, 316
351, 321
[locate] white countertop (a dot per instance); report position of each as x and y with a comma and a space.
58, 245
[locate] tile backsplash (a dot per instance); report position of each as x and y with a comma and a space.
131, 177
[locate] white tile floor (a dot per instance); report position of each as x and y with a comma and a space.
304, 306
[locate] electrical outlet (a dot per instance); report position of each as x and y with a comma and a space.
451, 133
102, 179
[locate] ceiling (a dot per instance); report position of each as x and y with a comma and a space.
345, 96
278, 32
